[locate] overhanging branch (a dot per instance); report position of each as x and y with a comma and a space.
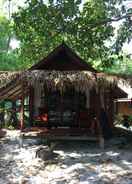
103, 22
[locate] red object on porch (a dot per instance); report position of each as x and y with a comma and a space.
44, 117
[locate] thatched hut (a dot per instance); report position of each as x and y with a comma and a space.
63, 91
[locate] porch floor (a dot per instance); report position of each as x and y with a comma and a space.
60, 131
58, 134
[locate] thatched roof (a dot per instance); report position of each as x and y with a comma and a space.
63, 58
91, 78
59, 69
7, 76
81, 80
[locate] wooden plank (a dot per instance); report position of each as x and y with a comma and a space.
50, 137
14, 93
75, 138
18, 94
7, 93
22, 109
31, 105
8, 88
66, 137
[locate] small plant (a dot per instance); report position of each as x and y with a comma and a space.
118, 119
10, 127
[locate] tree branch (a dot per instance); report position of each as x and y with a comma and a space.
103, 22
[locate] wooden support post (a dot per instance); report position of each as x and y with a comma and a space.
101, 142
98, 104
21, 139
22, 109
112, 110
2, 114
31, 105
100, 135
14, 114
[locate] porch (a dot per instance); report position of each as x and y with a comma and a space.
63, 134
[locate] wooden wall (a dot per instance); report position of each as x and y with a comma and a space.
124, 108
95, 104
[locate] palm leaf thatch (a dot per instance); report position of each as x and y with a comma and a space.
81, 80
7, 76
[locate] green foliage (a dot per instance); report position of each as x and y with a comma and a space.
42, 26
122, 64
130, 118
118, 119
9, 59
5, 33
8, 125
124, 33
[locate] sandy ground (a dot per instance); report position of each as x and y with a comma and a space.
77, 162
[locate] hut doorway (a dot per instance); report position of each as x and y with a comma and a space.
63, 109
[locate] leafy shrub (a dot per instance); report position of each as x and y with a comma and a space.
118, 119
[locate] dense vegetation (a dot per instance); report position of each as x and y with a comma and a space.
87, 28
8, 58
